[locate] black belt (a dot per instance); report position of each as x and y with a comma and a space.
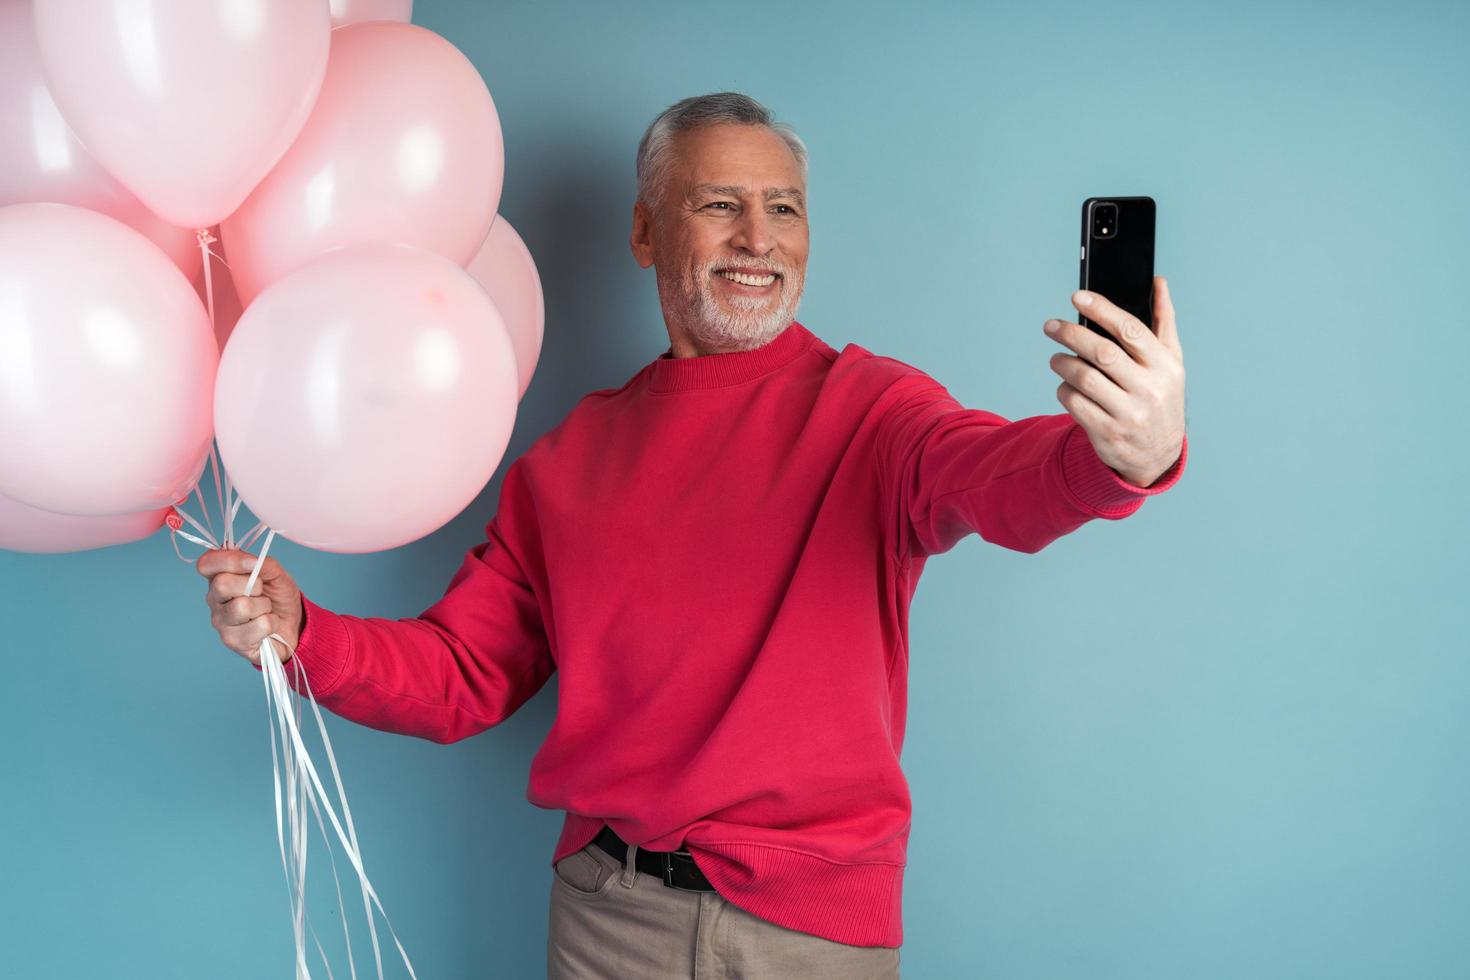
676, 868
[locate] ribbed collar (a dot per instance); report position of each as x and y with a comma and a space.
670, 373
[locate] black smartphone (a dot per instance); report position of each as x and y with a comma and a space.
1118, 255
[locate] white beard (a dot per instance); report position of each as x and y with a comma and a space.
738, 323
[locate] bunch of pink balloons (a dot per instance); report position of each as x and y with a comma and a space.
376, 325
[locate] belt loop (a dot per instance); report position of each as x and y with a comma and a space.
630, 869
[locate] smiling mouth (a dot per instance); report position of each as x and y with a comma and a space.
753, 279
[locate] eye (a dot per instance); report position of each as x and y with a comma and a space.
718, 204
789, 208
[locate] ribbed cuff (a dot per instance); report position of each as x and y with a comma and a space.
322, 650
1096, 488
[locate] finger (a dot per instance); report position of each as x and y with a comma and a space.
1132, 333
245, 639
238, 562
218, 560
1087, 412
1092, 383
211, 563
1164, 324
242, 609
1100, 352
226, 586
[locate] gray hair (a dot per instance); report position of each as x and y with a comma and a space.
655, 150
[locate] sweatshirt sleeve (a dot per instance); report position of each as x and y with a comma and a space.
463, 665
951, 470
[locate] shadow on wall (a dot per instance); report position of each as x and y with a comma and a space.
573, 205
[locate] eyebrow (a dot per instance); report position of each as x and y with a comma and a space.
733, 190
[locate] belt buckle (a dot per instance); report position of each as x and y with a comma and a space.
667, 858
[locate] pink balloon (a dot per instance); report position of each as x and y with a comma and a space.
24, 528
504, 267
106, 366
364, 400
403, 147
227, 307
188, 102
41, 159
346, 12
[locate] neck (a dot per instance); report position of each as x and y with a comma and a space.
683, 344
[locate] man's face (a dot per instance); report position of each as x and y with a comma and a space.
734, 206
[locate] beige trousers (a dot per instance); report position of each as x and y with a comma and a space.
610, 921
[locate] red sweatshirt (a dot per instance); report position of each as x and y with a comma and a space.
719, 557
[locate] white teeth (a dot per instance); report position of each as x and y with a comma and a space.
747, 280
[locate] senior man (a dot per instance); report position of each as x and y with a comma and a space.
718, 555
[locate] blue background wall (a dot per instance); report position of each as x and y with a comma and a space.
1222, 738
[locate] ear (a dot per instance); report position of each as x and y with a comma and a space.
641, 239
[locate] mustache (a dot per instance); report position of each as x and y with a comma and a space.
743, 265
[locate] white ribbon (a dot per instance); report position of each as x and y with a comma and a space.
278, 693
303, 785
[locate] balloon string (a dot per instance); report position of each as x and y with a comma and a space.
252, 535
302, 822
203, 531
219, 497
229, 503
274, 677
321, 826
206, 537
236, 500
303, 785
205, 238
260, 560
223, 491
295, 867
203, 508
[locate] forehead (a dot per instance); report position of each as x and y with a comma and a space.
732, 154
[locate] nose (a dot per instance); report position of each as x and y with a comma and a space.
754, 232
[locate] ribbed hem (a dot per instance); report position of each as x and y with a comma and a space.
857, 904
577, 832
322, 651
1097, 489
669, 373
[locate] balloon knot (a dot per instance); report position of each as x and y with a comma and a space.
205, 238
